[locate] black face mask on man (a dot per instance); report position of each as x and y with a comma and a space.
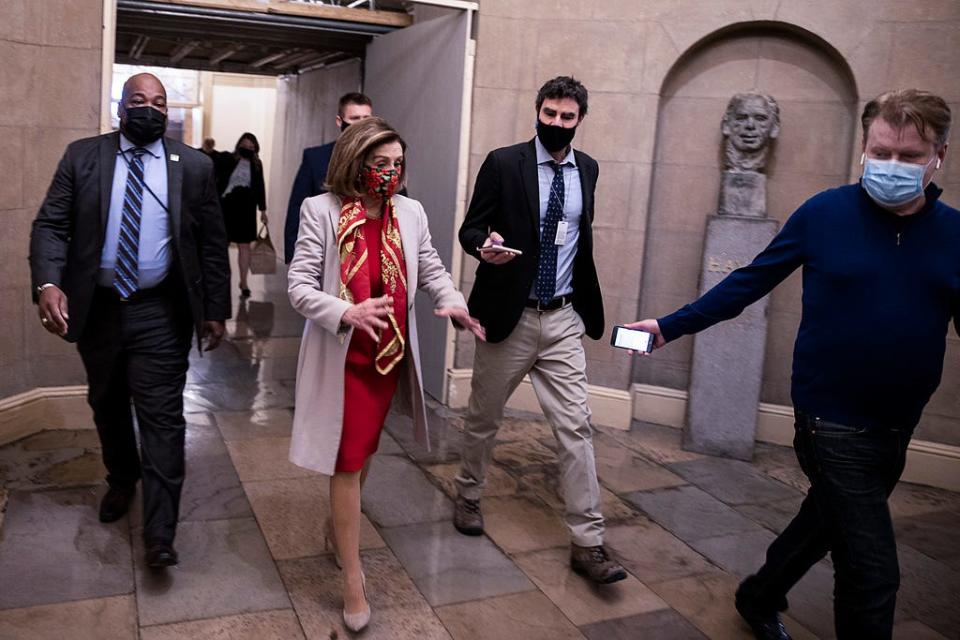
143, 125
554, 138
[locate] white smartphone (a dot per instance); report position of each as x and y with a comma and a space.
633, 339
499, 248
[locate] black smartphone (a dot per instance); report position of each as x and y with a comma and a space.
633, 339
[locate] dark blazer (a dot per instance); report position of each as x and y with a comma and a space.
506, 199
224, 162
308, 183
68, 233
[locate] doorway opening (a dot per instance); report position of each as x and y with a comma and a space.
278, 67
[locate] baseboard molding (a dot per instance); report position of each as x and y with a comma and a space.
610, 407
659, 405
928, 463
44, 408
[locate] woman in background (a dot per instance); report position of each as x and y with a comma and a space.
242, 192
361, 254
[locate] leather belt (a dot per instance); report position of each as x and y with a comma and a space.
553, 305
162, 289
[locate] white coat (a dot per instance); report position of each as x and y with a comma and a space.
313, 286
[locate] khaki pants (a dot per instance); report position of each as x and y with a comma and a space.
548, 347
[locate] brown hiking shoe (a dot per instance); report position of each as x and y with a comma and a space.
467, 517
596, 564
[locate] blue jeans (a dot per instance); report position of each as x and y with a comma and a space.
852, 472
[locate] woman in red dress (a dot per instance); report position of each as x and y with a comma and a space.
361, 254
367, 391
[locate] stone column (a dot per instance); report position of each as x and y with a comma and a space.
50, 53
728, 358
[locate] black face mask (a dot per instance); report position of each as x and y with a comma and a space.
143, 125
343, 125
245, 153
554, 138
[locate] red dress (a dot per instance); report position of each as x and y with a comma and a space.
367, 393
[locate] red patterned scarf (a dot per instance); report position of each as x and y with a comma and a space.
355, 274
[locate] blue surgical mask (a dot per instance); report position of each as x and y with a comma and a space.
891, 183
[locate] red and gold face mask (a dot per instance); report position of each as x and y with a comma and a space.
381, 183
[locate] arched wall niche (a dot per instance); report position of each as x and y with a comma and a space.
817, 95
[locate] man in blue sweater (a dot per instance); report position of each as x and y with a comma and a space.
881, 285
353, 107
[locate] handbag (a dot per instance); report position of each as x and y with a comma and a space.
263, 257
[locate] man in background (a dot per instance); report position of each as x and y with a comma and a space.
209, 146
312, 174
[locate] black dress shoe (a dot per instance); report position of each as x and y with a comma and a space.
160, 555
116, 502
765, 626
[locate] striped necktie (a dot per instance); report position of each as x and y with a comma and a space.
126, 278
547, 267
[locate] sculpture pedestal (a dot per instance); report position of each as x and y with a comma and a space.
728, 357
743, 193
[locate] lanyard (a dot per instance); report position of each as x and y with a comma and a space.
123, 154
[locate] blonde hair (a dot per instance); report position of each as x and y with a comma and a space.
926, 111
352, 149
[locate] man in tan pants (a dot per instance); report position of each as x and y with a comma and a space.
537, 294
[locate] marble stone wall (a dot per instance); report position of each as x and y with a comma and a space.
49, 96
654, 128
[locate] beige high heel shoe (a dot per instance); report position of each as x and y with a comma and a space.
357, 622
329, 542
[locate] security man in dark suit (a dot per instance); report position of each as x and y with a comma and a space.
537, 197
312, 175
128, 258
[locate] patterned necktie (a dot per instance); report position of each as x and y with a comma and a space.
547, 269
126, 276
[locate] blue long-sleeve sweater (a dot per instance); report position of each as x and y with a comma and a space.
879, 291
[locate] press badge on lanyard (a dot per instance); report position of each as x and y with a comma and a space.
561, 238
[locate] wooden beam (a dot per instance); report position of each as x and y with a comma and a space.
222, 55
256, 64
328, 12
136, 43
181, 52
387, 18
295, 58
142, 45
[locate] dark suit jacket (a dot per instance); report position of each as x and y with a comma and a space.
69, 230
308, 183
506, 199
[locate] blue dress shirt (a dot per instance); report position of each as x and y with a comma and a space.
572, 210
154, 251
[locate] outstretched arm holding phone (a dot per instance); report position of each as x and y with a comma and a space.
736, 292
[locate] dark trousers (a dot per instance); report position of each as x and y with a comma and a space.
852, 472
138, 351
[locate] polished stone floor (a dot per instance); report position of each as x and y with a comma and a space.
253, 563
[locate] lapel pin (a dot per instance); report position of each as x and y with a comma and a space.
174, 157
